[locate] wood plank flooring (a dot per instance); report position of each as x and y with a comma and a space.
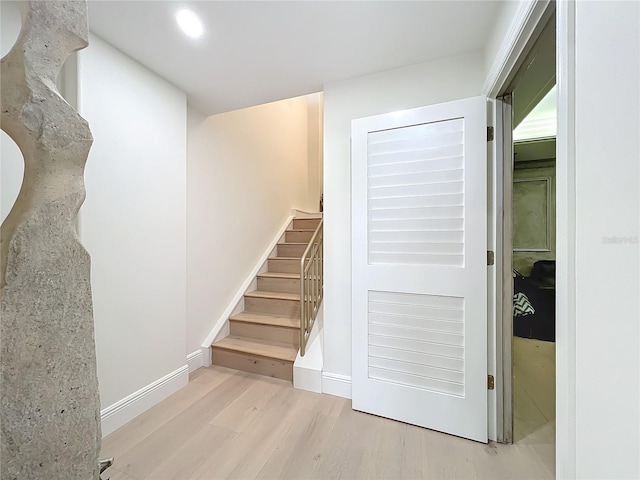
534, 396
231, 424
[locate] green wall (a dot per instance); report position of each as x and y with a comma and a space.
534, 213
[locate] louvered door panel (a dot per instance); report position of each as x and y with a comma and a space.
415, 207
399, 324
419, 271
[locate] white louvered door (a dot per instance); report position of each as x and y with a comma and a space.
419, 267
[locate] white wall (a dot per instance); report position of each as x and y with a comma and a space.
11, 172
314, 148
11, 161
133, 222
415, 86
246, 170
607, 149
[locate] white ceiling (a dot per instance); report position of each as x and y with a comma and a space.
539, 150
541, 121
262, 51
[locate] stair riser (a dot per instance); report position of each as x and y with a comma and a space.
306, 223
298, 237
285, 250
278, 265
265, 332
289, 308
285, 285
252, 363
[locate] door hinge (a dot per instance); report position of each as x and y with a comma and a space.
489, 134
490, 382
491, 257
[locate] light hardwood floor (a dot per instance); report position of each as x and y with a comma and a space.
534, 394
231, 424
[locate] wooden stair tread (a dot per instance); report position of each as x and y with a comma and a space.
263, 319
301, 230
273, 295
293, 243
261, 348
284, 258
292, 276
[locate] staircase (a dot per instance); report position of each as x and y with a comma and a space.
265, 337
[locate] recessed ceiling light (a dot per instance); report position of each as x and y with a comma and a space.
189, 23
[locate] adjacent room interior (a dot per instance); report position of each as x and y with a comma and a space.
534, 287
534, 244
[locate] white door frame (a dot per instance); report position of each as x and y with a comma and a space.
565, 243
527, 21
504, 295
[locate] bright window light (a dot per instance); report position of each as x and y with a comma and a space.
189, 23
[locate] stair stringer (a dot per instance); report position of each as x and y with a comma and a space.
236, 305
307, 370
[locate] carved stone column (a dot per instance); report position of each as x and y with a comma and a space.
49, 403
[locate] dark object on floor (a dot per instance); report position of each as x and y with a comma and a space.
540, 289
543, 274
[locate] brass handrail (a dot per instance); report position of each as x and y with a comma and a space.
311, 284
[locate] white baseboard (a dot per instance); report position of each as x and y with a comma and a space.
125, 410
194, 360
309, 379
336, 384
206, 356
223, 321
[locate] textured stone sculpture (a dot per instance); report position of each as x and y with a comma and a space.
49, 404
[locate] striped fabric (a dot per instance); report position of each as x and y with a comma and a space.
522, 306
